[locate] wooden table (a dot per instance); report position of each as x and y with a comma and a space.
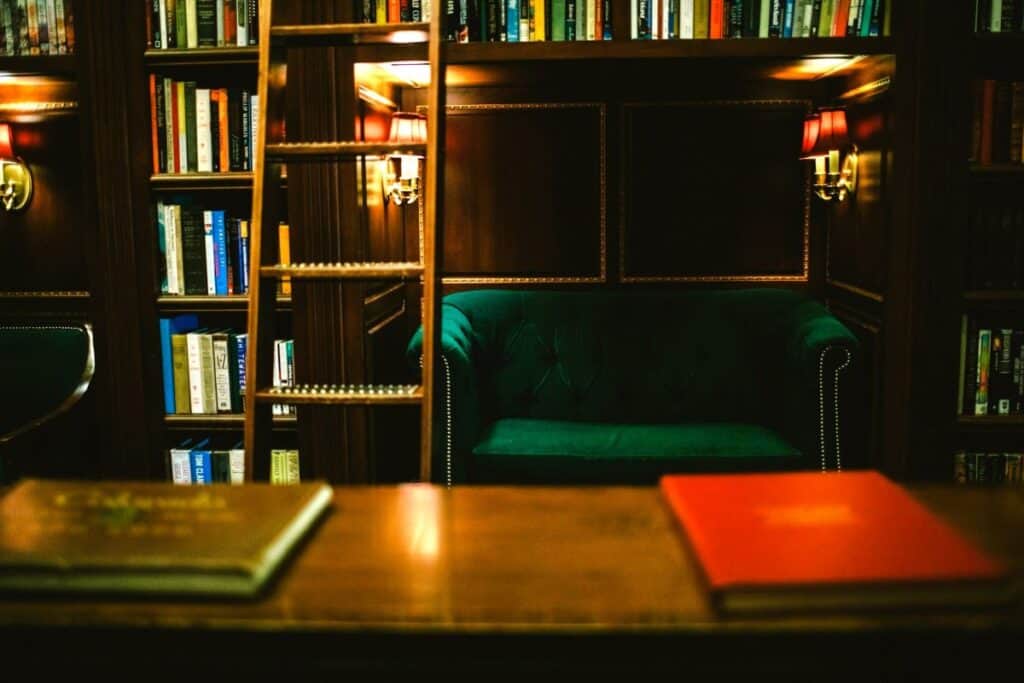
513, 579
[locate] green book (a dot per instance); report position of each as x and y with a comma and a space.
190, 126
180, 24
557, 19
221, 466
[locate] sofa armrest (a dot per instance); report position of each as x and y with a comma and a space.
814, 379
457, 426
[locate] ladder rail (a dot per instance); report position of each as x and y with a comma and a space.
263, 251
432, 244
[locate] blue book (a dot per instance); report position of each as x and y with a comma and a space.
220, 252
864, 20
169, 326
512, 22
199, 459
672, 12
243, 256
787, 23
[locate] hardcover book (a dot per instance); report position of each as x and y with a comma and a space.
152, 538
809, 541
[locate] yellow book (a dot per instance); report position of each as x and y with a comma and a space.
179, 359
540, 25
284, 254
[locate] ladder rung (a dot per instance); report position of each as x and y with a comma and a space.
345, 271
340, 394
319, 34
300, 150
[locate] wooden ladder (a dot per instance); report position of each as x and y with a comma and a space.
272, 150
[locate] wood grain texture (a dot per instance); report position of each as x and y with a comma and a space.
714, 190
525, 578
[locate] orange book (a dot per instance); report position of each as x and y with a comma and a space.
284, 254
716, 14
222, 129
814, 541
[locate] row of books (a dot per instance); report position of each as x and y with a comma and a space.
201, 129
521, 21
995, 249
997, 122
203, 367
395, 11
988, 468
204, 252
200, 462
36, 27
670, 19
998, 16
202, 23
991, 367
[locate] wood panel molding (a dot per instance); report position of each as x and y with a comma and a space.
601, 144
802, 275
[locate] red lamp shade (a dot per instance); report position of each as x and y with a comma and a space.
408, 127
812, 125
6, 146
831, 134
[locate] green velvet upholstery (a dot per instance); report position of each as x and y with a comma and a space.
623, 386
46, 369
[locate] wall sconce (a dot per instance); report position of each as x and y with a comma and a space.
15, 177
827, 141
401, 174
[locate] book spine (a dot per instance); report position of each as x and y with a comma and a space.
191, 24
253, 7
220, 244
206, 23
215, 107
220, 468
174, 216
241, 350
167, 366
243, 254
181, 467
182, 391
234, 397
981, 392
195, 373
254, 127
236, 465
209, 253
219, 9
161, 229
170, 22
558, 20
201, 466
191, 137
170, 139
284, 256
242, 24
60, 27
230, 23
204, 141
209, 373
246, 133
222, 372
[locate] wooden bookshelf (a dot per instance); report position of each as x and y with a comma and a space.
206, 304
748, 48
227, 180
990, 422
204, 56
226, 421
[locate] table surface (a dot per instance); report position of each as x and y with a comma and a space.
495, 562
504, 558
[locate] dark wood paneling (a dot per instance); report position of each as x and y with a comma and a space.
714, 190
41, 245
524, 191
859, 228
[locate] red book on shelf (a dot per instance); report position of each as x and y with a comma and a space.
717, 9
841, 18
814, 541
988, 103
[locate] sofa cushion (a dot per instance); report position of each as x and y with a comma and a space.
515, 449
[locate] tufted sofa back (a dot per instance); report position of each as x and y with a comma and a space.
617, 356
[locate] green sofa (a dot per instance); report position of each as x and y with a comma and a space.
621, 387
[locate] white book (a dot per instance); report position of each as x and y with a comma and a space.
591, 17
181, 471
62, 31
176, 211
254, 123
236, 465
766, 19
191, 26
426, 9
162, 28
171, 247
242, 32
633, 30
182, 128
195, 372
663, 33
209, 374
204, 143
211, 254
221, 372
51, 17
686, 18
220, 23
275, 409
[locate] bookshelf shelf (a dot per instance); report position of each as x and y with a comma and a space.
230, 180
222, 422
988, 422
199, 304
753, 48
205, 56
41, 64
994, 295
